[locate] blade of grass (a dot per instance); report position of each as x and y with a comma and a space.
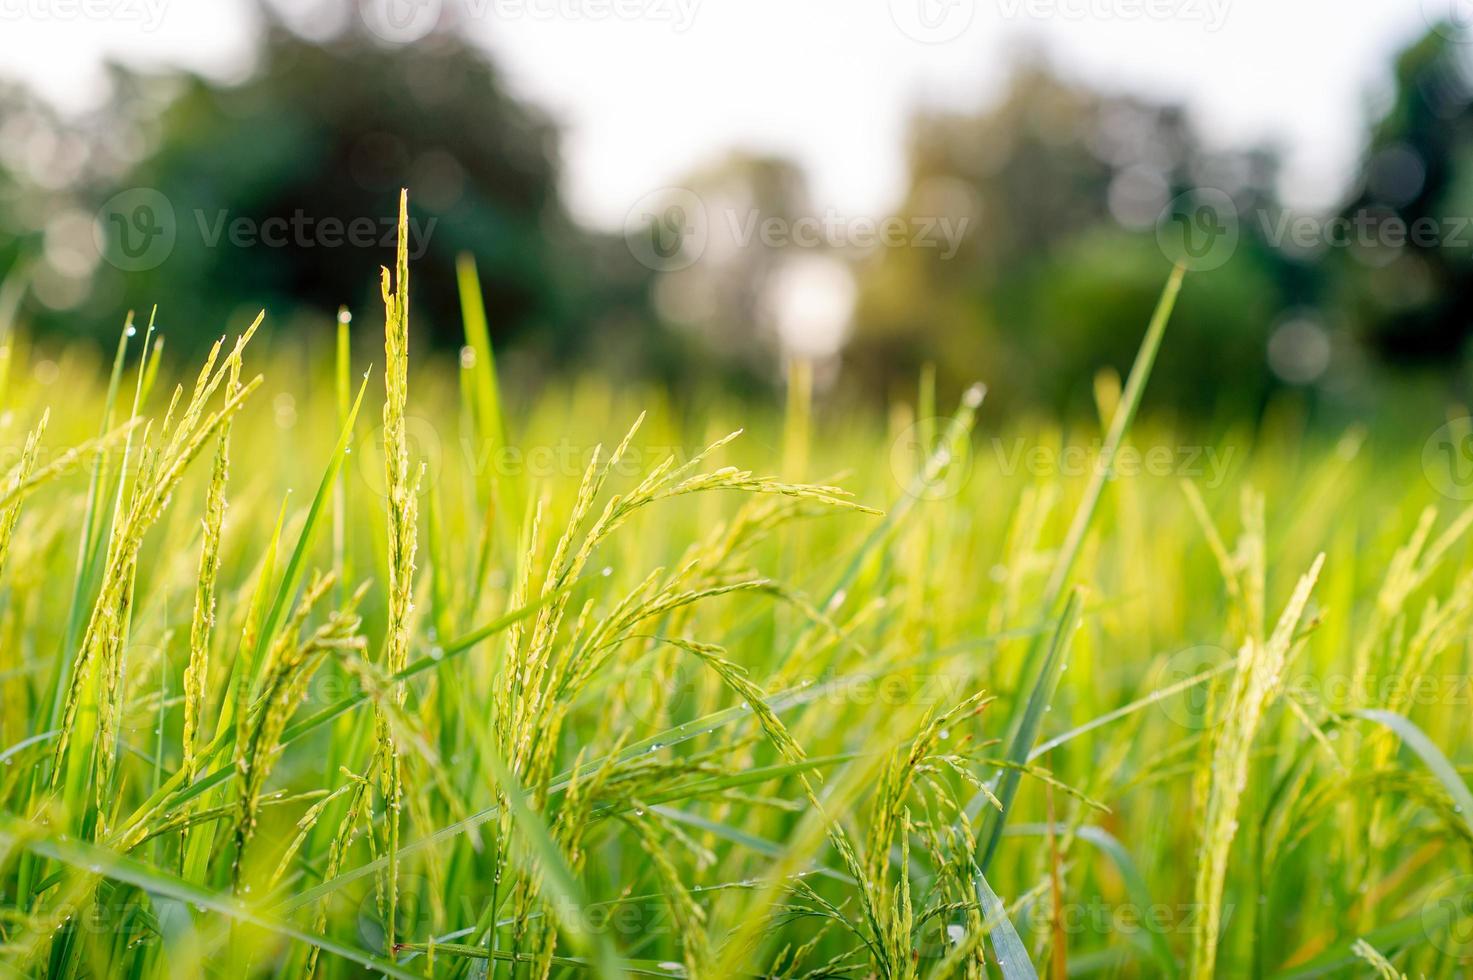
1130, 402
934, 468
94, 860
1432, 757
568, 899
1150, 939
1020, 744
1007, 945
291, 579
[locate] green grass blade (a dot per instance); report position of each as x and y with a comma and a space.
666, 739
91, 859
567, 898
1107, 843
291, 579
1007, 945
933, 469
489, 423
1130, 401
1020, 742
1432, 757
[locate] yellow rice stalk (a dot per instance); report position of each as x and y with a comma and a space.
17, 490
403, 514
197, 673
160, 472
1373, 958
290, 666
1258, 679
360, 807
10, 513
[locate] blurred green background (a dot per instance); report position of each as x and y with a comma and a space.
1037, 233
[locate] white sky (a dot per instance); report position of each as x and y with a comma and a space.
643, 96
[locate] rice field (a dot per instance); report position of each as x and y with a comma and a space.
330, 659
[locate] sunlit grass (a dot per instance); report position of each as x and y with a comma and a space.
373, 669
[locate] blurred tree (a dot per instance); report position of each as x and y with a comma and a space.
718, 286
1063, 188
283, 188
40, 156
280, 192
1406, 282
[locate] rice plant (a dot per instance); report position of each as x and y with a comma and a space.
583, 681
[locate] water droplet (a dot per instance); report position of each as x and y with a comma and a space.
344, 316
132, 331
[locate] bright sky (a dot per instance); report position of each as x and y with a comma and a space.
648, 89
